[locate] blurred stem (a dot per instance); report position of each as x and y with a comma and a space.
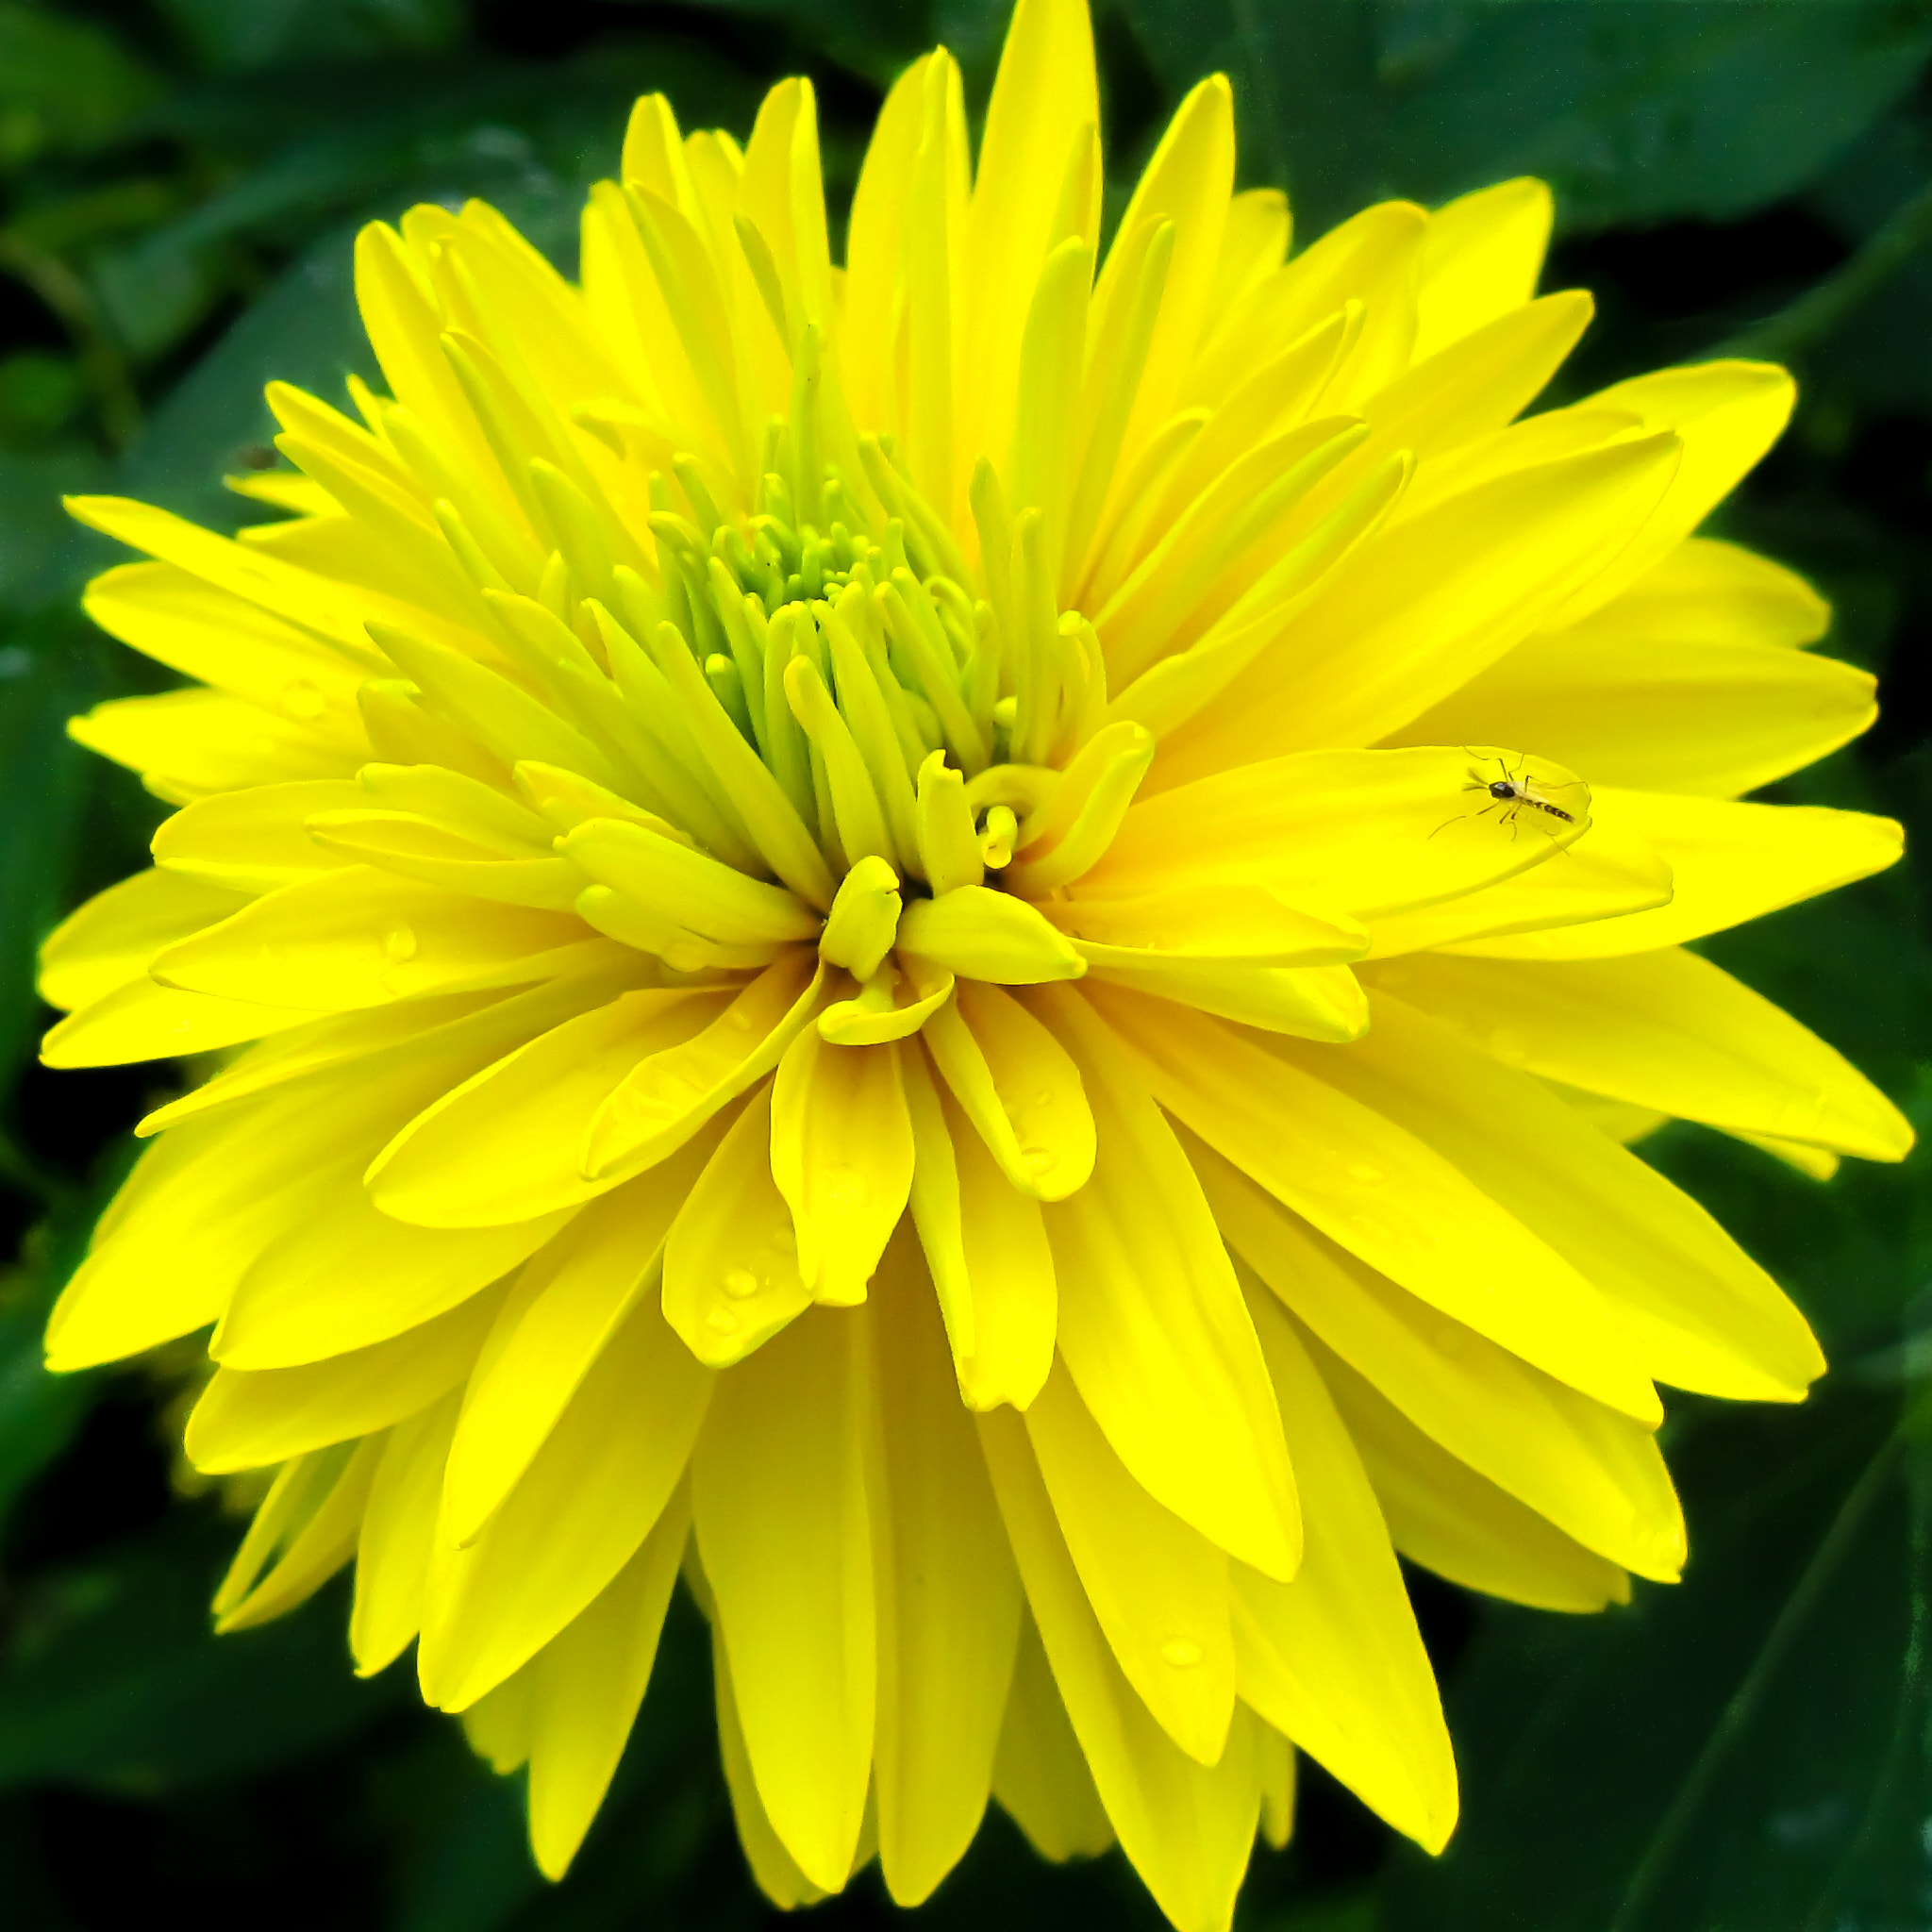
1820, 310
1676, 1820
61, 289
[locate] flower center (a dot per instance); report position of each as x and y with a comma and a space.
904, 718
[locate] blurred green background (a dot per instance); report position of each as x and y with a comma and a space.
179, 181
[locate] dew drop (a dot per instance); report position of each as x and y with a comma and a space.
1183, 1653
741, 1283
1362, 1171
1044, 1097
1037, 1159
722, 1321
785, 1238
301, 699
399, 942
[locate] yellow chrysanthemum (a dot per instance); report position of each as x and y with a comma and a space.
962, 944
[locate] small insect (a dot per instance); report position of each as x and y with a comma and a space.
1511, 793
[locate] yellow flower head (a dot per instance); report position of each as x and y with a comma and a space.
961, 942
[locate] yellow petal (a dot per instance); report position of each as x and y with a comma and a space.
247, 1421
560, 1316
502, 1145
1158, 1589
307, 1552
1708, 591
1256, 925
948, 1598
1482, 257
980, 934
111, 938
1044, 96
1019, 1085
1333, 1659
255, 840
774, 1866
778, 1496
667, 1096
1419, 612
1039, 1776
732, 1277
841, 1155
591, 1495
1188, 1829
1726, 414
1700, 1312
1389, 1198
1669, 1030
1445, 1517
358, 938
1655, 712
588, 1684
1152, 1325
987, 1251
398, 1529
1359, 833
1595, 1474
187, 744
1730, 862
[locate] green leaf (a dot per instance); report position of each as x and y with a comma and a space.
65, 86
1631, 110
113, 1680
1746, 1751
47, 673
230, 35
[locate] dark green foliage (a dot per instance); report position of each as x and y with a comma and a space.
179, 184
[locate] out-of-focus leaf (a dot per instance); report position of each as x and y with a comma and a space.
113, 1680
235, 34
65, 85
474, 1873
1632, 110
40, 394
33, 528
47, 674
1745, 1753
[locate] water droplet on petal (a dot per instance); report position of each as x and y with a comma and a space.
399, 942
741, 1282
1044, 1097
1037, 1159
1362, 1171
722, 1321
785, 1238
1183, 1653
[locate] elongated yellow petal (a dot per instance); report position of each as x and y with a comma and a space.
948, 1598
1333, 1659
245, 1421
591, 1495
398, 1531
562, 1311
1187, 1828
841, 1155
1039, 1776
1442, 1515
1728, 862
1152, 1325
1482, 257
588, 1683
1158, 1589
1363, 1181
778, 1496
1667, 1030
1595, 1474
